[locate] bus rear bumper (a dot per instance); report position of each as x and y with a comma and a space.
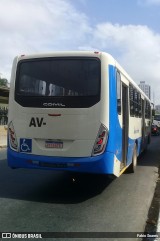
102, 164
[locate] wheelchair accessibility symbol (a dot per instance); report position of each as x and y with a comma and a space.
25, 145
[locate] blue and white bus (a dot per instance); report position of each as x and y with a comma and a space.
76, 111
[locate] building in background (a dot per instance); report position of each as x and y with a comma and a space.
157, 109
146, 88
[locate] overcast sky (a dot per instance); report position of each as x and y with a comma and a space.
127, 29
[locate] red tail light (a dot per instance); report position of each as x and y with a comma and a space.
101, 141
12, 137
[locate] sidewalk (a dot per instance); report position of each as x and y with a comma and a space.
3, 136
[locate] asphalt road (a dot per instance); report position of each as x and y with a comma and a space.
47, 201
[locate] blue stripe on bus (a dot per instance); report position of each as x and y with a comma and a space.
115, 130
99, 164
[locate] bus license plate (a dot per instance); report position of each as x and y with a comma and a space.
54, 144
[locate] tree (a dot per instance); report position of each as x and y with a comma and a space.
3, 82
153, 112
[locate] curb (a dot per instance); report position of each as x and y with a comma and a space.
158, 228
153, 219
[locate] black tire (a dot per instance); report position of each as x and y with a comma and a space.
132, 167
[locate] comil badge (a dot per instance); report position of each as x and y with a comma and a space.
25, 145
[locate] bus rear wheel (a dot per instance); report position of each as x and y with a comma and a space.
132, 167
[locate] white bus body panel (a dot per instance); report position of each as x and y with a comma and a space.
77, 131
76, 128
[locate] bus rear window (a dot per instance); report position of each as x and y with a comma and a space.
59, 77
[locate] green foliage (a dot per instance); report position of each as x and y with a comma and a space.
153, 112
3, 82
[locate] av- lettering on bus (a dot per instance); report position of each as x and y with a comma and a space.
76, 111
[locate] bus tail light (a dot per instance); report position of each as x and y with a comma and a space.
101, 141
12, 137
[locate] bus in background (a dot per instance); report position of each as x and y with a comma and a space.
156, 120
76, 111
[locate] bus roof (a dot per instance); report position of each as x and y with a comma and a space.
98, 54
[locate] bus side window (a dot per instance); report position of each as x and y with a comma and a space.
150, 112
146, 110
136, 102
118, 93
140, 106
131, 93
